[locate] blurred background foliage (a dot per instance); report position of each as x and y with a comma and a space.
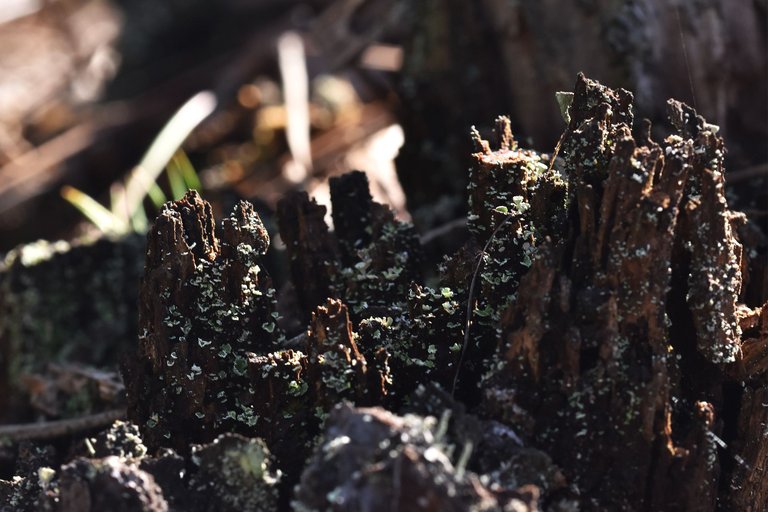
391, 87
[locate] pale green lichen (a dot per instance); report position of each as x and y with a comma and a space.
234, 474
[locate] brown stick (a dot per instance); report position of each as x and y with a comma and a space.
59, 428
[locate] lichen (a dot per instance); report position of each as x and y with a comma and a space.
234, 474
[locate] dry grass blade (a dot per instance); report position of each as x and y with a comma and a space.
293, 70
105, 220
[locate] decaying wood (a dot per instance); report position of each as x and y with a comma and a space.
210, 357
624, 331
614, 279
614, 347
205, 304
313, 253
369, 261
748, 490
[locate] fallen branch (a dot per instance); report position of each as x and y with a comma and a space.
59, 428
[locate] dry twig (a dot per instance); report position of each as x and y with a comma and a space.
59, 428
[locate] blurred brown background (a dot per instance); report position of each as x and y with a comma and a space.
86, 85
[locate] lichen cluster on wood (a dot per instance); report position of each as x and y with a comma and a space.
599, 344
605, 323
623, 341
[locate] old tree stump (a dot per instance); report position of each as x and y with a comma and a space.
600, 343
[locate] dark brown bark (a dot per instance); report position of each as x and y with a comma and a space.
210, 359
748, 486
313, 253
369, 261
352, 216
205, 307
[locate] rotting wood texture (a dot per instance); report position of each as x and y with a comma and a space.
615, 357
609, 326
623, 341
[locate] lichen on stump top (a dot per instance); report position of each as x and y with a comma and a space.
609, 338
211, 357
205, 305
624, 332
